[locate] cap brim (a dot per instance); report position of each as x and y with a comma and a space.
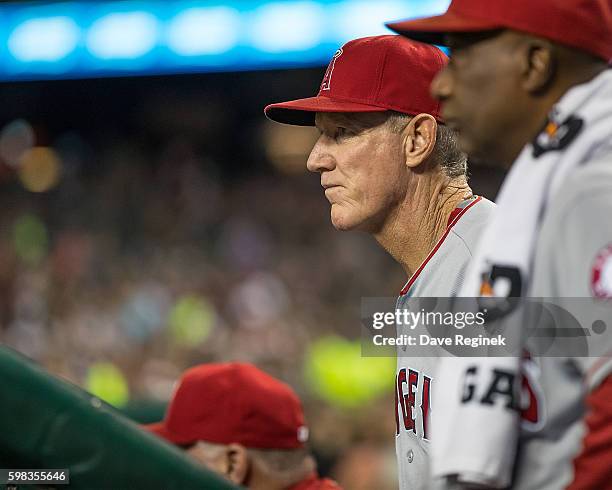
159, 429
302, 112
433, 29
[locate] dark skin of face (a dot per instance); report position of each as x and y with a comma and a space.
500, 85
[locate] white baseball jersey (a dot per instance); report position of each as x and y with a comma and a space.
440, 275
573, 260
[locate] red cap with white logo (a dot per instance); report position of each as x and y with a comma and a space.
371, 74
233, 403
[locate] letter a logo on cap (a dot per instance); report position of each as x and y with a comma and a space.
326, 83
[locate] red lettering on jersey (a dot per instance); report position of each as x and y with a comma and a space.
406, 401
396, 410
530, 412
531, 402
425, 406
403, 401
413, 380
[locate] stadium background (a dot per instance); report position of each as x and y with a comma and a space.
151, 218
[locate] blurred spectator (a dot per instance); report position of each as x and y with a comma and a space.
243, 424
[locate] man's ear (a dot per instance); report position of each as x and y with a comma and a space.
419, 139
538, 64
237, 463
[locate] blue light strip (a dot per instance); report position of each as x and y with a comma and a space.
91, 39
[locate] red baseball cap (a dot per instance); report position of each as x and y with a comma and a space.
233, 403
583, 24
371, 74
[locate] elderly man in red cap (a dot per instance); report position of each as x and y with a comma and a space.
390, 167
529, 87
243, 424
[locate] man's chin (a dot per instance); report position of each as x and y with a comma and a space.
341, 222
340, 225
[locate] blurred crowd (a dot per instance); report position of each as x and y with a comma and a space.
137, 264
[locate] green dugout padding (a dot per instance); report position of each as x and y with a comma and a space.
47, 423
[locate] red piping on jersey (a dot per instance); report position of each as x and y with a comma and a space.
454, 219
453, 215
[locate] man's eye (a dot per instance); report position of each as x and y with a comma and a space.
341, 133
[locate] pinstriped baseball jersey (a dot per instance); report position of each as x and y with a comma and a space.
440, 275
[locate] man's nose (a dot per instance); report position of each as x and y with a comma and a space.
320, 158
441, 85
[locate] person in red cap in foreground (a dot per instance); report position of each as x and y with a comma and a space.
243, 424
529, 88
392, 168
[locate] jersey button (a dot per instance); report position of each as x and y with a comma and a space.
410, 456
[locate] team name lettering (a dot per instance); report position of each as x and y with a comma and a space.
499, 387
406, 390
